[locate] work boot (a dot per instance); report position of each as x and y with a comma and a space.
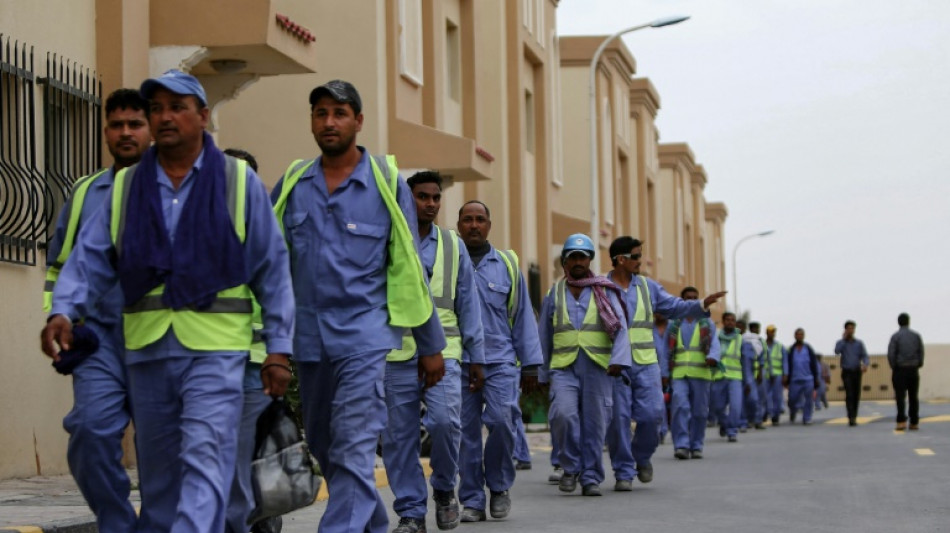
722, 431
522, 465
555, 478
774, 420
851, 422
499, 504
470, 514
681, 453
645, 473
591, 490
622, 485
732, 438
568, 483
446, 509
410, 525
696, 454
901, 426
914, 427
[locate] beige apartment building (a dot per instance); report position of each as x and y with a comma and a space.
484, 91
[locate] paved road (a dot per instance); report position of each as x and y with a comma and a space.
826, 477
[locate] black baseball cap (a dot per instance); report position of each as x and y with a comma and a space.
341, 91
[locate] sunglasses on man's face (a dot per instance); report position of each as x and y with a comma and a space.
635, 257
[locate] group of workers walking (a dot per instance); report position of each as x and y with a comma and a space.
187, 290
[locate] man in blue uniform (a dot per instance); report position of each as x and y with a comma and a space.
190, 237
737, 377
452, 282
774, 356
100, 405
583, 330
350, 223
801, 377
695, 350
642, 398
511, 337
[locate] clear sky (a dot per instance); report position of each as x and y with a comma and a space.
826, 121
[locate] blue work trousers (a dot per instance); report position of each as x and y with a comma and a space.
582, 394
521, 453
242, 502
753, 405
95, 425
776, 394
401, 447
800, 394
555, 446
643, 403
727, 404
344, 415
492, 465
821, 395
690, 406
187, 414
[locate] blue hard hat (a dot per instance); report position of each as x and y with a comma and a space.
578, 243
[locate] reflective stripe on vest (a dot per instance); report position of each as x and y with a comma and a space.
226, 323
775, 358
590, 338
641, 329
76, 201
731, 357
690, 362
510, 259
445, 275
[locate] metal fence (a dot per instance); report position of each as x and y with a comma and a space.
71, 144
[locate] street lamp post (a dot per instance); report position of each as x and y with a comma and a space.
735, 287
594, 199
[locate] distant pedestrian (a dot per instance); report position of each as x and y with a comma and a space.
905, 354
854, 362
801, 377
821, 394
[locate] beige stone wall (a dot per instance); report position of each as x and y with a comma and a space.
34, 397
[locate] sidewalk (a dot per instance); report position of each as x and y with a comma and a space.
53, 504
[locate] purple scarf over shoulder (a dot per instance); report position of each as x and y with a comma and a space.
206, 256
599, 286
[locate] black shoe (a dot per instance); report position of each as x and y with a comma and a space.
808, 423
722, 431
852, 422
591, 490
759, 426
696, 454
522, 465
732, 438
446, 509
568, 483
499, 504
681, 453
555, 478
472, 515
792, 416
825, 403
268, 525
645, 473
410, 525
622, 485
774, 420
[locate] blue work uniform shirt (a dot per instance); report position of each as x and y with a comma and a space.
800, 362
662, 302
107, 311
853, 354
688, 327
620, 353
90, 271
338, 255
467, 306
505, 342
662, 351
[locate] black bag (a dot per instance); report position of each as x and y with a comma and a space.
282, 472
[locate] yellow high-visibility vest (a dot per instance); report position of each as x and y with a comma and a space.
590, 338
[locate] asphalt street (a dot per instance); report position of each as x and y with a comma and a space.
824, 477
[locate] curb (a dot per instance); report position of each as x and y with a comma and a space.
72, 525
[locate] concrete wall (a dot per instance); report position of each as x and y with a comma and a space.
876, 383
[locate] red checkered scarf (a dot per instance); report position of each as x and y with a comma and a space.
599, 286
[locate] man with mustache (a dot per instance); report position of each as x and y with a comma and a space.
100, 411
190, 237
583, 330
452, 282
350, 223
511, 337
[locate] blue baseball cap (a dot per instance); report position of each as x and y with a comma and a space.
177, 82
